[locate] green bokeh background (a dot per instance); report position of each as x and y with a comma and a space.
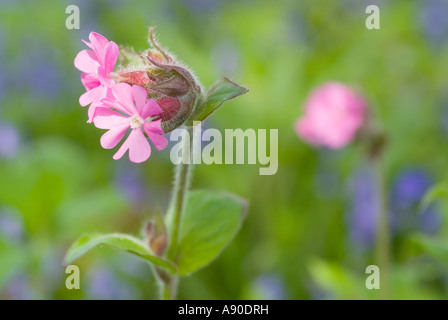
61, 183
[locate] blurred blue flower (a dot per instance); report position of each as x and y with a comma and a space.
430, 220
363, 209
103, 284
11, 224
409, 187
435, 20
38, 71
269, 287
129, 180
9, 140
408, 190
20, 289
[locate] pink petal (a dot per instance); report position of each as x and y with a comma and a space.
89, 81
150, 108
104, 78
154, 132
123, 94
139, 148
92, 110
154, 127
140, 94
115, 105
96, 103
106, 118
90, 96
111, 138
86, 61
88, 44
305, 130
109, 94
160, 142
98, 44
111, 56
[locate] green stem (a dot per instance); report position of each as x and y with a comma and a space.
182, 179
383, 233
169, 289
181, 185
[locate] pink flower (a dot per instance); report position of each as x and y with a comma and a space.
333, 114
96, 65
137, 116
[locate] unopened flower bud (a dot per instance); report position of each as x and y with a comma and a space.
167, 81
156, 236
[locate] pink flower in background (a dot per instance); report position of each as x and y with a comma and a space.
333, 114
136, 116
96, 65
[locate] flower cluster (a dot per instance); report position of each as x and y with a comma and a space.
150, 94
96, 65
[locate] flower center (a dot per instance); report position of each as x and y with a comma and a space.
136, 121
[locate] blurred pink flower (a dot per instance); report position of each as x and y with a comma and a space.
96, 65
138, 116
333, 114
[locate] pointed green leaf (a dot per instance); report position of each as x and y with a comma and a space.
119, 241
209, 223
220, 92
435, 247
438, 192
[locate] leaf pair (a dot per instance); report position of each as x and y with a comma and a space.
209, 223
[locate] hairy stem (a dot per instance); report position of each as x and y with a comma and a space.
168, 285
181, 185
182, 179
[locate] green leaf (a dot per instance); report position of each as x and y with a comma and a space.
435, 247
336, 280
119, 241
220, 92
438, 192
209, 223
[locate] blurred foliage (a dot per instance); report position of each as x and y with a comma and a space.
294, 243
